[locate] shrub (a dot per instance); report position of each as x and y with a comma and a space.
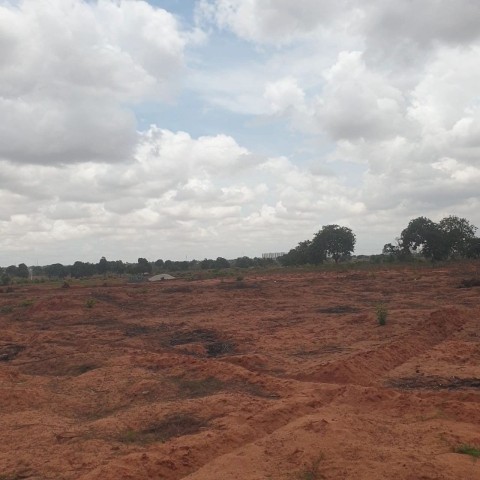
382, 314
467, 449
90, 302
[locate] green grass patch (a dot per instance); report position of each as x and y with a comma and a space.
26, 303
90, 302
467, 449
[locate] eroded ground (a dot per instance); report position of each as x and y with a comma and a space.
280, 376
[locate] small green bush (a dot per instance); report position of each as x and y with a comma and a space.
467, 449
90, 302
382, 314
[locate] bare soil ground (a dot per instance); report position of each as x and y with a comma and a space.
279, 376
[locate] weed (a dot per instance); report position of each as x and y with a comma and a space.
382, 313
240, 278
467, 449
6, 309
90, 302
26, 303
311, 471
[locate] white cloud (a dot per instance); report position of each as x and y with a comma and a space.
68, 69
269, 21
382, 97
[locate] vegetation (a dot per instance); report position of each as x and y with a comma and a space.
90, 302
332, 241
382, 314
467, 449
451, 237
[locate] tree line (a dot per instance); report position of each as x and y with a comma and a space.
118, 267
450, 238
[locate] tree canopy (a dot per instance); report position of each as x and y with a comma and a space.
332, 241
450, 237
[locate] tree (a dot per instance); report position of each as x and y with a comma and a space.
12, 271
244, 262
55, 270
207, 264
102, 266
117, 266
83, 269
143, 266
473, 248
332, 241
300, 255
22, 271
396, 252
458, 234
452, 236
221, 262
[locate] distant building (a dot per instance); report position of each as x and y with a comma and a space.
273, 255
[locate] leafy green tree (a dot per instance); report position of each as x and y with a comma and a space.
117, 266
55, 270
244, 262
12, 271
458, 233
396, 252
452, 236
83, 269
300, 255
332, 241
473, 248
143, 266
22, 271
103, 266
221, 262
207, 264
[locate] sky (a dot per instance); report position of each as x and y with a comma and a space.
182, 129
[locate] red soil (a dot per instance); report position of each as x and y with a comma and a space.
281, 376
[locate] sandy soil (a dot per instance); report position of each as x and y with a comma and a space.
279, 376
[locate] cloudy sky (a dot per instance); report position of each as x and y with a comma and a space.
191, 129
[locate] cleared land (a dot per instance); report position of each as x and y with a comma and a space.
280, 376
